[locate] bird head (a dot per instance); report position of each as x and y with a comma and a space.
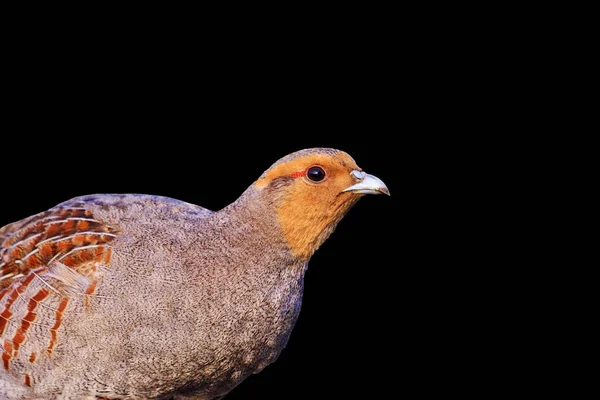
311, 190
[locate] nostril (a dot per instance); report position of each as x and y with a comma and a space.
358, 175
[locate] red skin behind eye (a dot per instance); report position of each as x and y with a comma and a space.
298, 174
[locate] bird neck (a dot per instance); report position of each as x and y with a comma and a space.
253, 223
305, 227
297, 225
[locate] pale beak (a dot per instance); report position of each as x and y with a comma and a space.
368, 184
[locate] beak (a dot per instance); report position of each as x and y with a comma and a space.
368, 184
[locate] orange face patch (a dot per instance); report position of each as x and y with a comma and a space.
308, 211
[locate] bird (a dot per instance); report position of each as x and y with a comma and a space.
139, 296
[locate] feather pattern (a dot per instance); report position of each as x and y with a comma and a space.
47, 261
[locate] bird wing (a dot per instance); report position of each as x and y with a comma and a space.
47, 262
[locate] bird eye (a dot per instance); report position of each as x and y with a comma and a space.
315, 174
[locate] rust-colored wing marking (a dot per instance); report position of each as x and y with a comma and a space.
46, 262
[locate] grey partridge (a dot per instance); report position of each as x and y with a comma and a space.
129, 296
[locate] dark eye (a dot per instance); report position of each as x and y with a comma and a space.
315, 174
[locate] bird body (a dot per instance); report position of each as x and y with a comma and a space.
130, 296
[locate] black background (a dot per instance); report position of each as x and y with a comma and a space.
403, 297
